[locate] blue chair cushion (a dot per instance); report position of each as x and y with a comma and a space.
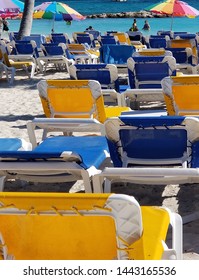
90, 149
10, 144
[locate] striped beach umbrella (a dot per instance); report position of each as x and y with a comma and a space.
174, 8
56, 11
11, 6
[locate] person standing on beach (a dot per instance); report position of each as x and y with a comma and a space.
5, 25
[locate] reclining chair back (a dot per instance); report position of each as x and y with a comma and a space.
181, 94
148, 71
41, 226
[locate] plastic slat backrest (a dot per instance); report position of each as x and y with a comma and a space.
154, 143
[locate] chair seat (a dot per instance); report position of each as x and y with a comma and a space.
89, 151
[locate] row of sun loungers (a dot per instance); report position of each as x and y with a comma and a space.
120, 144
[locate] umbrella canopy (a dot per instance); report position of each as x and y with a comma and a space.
11, 6
56, 11
9, 15
174, 8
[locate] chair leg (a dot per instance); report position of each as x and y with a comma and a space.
2, 182
32, 71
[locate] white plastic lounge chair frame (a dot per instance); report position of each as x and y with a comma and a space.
66, 170
151, 175
60, 62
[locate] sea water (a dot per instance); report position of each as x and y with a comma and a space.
87, 7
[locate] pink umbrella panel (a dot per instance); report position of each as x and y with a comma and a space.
11, 6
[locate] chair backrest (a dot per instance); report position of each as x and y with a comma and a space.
157, 42
72, 98
184, 35
184, 43
26, 47
108, 40
148, 71
60, 38
38, 38
76, 223
116, 54
147, 140
88, 40
52, 49
122, 37
181, 94
182, 55
105, 74
135, 35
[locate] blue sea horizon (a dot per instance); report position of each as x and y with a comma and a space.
42, 26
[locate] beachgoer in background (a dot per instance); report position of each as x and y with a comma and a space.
89, 28
134, 27
5, 25
68, 22
146, 25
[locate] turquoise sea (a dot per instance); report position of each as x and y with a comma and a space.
86, 7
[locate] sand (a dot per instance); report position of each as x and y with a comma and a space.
20, 103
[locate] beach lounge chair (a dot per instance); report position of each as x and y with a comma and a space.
24, 50
54, 54
85, 227
185, 59
57, 158
17, 65
151, 150
80, 54
116, 54
84, 38
75, 99
181, 95
184, 43
144, 77
60, 38
105, 74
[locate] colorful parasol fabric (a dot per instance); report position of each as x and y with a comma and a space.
175, 8
11, 6
56, 11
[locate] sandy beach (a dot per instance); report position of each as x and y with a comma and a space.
20, 103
